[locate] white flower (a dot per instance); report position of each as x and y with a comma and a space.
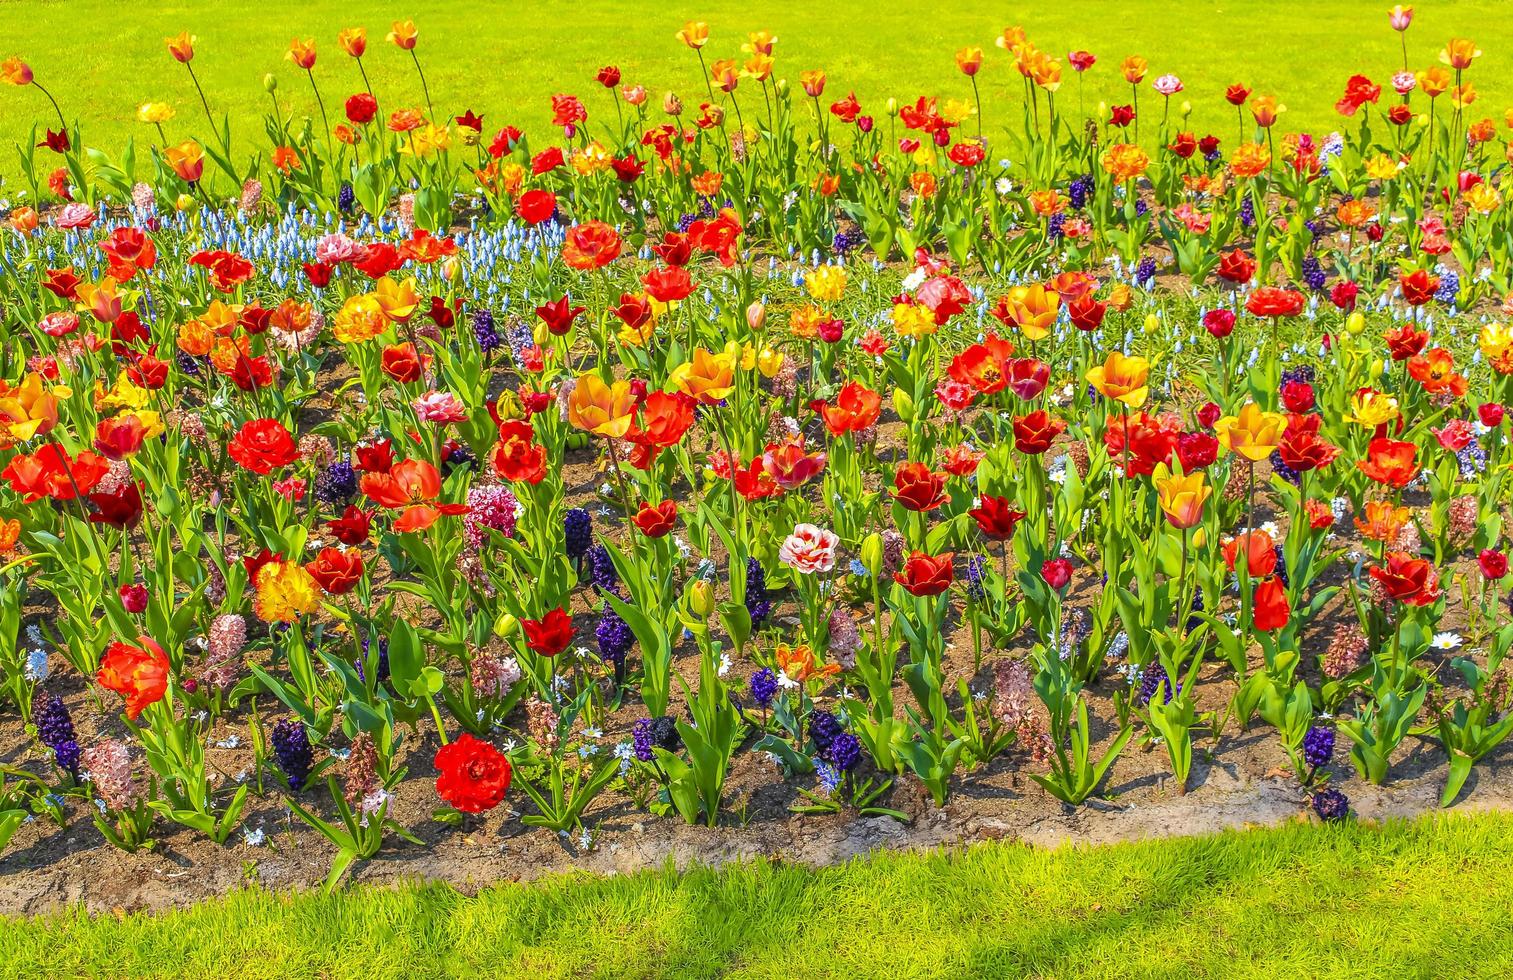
1446, 641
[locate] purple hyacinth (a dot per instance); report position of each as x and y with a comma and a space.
614, 636
484, 332
844, 243
346, 199
336, 485
1145, 272
1151, 678
291, 750
1318, 746
764, 687
1053, 224
1247, 212
1331, 805
823, 728
757, 603
654, 733
55, 729
383, 660
845, 751
1313, 274
975, 588
578, 532
1449, 287
1079, 190
602, 570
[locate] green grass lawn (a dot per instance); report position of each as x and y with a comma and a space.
1421, 899
504, 61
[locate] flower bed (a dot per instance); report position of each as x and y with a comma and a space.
803, 476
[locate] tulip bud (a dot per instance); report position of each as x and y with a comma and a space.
903, 404
134, 597
892, 107
872, 554
270, 82
1355, 323
1187, 109
506, 626
756, 316
185, 202
1152, 323
540, 336
701, 598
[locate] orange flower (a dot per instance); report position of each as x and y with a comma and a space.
708, 377
695, 34
404, 34
1435, 370
398, 300
1033, 309
813, 83
591, 245
1122, 379
1125, 161
1383, 521
14, 71
137, 673
187, 160
605, 410
856, 407
1254, 434
799, 663
10, 536
1459, 53
302, 53
181, 47
353, 40
1435, 81
1390, 462
1134, 68
1266, 109
27, 411
1181, 497
1250, 160
969, 60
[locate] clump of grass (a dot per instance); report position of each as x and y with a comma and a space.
1407, 899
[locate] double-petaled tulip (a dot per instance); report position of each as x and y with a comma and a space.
1181, 496
138, 672
1302, 448
14, 71
336, 570
1409, 580
1254, 433
856, 408
1390, 462
1121, 378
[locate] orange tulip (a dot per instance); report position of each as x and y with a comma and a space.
605, 410
969, 60
708, 377
302, 53
137, 673
1254, 434
1122, 379
1181, 496
695, 34
813, 83
1459, 53
187, 160
1134, 69
181, 47
404, 34
1033, 309
14, 71
1266, 109
27, 411
1390, 462
353, 40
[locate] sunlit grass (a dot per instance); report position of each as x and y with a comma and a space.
505, 61
1420, 899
